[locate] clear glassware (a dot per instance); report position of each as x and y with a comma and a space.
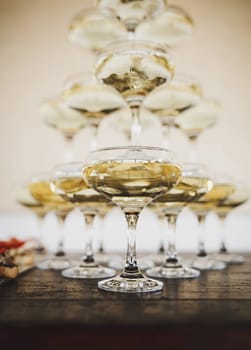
39, 188
132, 12
194, 184
131, 177
67, 182
25, 198
223, 209
95, 101
194, 121
56, 114
170, 100
134, 68
94, 28
171, 27
220, 191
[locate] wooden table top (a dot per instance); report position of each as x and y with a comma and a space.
213, 310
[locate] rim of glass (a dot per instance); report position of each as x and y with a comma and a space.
172, 155
120, 46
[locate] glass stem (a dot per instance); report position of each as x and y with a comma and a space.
161, 249
94, 138
88, 255
171, 251
40, 248
193, 154
201, 239
60, 248
166, 135
68, 152
223, 249
136, 127
131, 265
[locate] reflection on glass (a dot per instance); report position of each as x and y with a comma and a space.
131, 177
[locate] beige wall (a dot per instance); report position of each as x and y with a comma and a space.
35, 59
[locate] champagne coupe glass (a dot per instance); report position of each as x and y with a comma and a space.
132, 12
170, 100
56, 114
39, 188
171, 27
93, 100
131, 177
67, 182
220, 191
94, 28
25, 198
223, 209
196, 120
134, 68
193, 185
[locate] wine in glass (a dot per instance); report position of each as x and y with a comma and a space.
132, 12
194, 184
39, 188
171, 27
223, 209
94, 28
221, 190
25, 198
170, 100
68, 183
131, 177
93, 100
194, 121
56, 114
134, 68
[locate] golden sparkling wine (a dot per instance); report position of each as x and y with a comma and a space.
42, 192
94, 101
197, 119
25, 198
235, 200
132, 74
56, 114
76, 191
188, 189
171, 99
218, 193
132, 184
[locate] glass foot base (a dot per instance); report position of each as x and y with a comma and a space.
230, 258
118, 263
173, 272
54, 263
206, 263
131, 285
90, 270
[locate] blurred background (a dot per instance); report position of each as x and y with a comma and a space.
36, 58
